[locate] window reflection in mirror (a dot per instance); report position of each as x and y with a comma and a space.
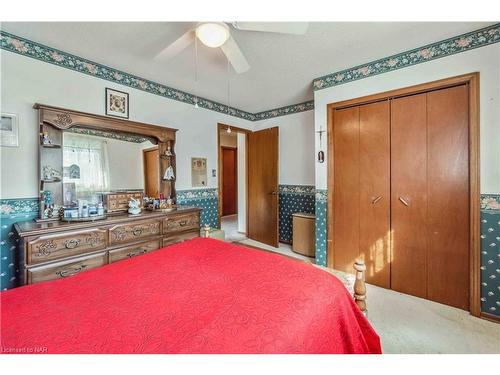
95, 164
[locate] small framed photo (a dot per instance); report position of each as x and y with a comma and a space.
116, 103
9, 130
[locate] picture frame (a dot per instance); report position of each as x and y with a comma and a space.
117, 103
199, 172
9, 130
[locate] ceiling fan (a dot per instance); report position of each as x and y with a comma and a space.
218, 34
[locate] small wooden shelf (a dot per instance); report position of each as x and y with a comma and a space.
50, 145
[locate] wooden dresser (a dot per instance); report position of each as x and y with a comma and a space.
53, 250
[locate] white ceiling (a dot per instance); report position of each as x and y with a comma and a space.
282, 66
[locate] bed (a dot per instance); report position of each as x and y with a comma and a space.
199, 296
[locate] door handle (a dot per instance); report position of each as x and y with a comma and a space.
376, 199
402, 200
274, 193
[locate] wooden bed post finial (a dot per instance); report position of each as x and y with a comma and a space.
206, 231
360, 286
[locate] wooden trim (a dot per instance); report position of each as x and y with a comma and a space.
472, 80
63, 118
490, 317
221, 126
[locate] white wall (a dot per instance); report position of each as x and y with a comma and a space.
485, 60
242, 183
296, 144
25, 81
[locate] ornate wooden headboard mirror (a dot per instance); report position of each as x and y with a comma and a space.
84, 156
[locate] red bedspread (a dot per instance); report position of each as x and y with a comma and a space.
200, 296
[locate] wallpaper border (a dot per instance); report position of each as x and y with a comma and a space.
461, 43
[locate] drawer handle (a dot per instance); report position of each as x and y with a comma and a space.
133, 254
183, 223
375, 200
137, 231
71, 271
71, 244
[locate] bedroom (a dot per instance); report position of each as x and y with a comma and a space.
349, 188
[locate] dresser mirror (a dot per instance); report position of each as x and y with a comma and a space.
105, 162
92, 165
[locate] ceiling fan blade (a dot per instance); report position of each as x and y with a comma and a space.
297, 28
177, 46
235, 56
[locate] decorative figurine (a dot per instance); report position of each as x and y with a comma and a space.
169, 174
168, 152
134, 206
45, 138
50, 173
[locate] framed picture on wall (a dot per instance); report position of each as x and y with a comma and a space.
116, 103
199, 172
9, 130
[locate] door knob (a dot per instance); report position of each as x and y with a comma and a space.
402, 200
376, 199
274, 193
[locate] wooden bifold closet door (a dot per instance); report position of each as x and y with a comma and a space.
362, 190
401, 193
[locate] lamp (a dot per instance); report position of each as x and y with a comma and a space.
213, 34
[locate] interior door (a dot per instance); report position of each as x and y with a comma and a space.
229, 181
263, 186
448, 207
375, 191
151, 172
409, 195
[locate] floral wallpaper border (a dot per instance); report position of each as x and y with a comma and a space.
18, 206
25, 47
451, 46
297, 189
490, 202
283, 111
191, 194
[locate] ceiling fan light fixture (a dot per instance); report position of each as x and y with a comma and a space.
213, 34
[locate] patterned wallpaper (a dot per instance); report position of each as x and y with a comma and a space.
292, 199
451, 46
12, 211
206, 199
490, 254
321, 217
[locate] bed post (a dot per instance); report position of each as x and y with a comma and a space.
206, 231
360, 286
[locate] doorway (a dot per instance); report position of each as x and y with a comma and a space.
151, 171
229, 173
232, 143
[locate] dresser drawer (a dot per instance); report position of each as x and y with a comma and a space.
129, 232
181, 223
57, 246
180, 238
133, 250
65, 269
